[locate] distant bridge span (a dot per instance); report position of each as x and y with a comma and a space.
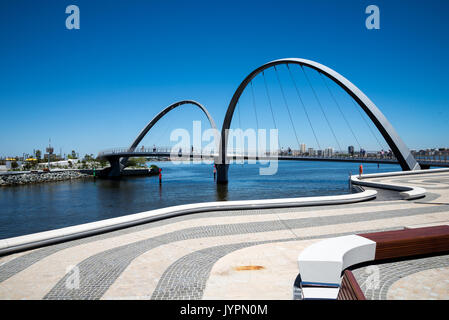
401, 152
398, 147
148, 153
118, 165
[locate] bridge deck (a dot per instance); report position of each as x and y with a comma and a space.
167, 154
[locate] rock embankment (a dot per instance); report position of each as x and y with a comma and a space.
29, 178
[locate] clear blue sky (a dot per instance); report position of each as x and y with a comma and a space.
96, 87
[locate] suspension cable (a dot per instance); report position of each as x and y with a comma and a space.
238, 113
303, 106
269, 99
288, 109
158, 136
254, 105
339, 108
367, 124
321, 107
271, 107
240, 124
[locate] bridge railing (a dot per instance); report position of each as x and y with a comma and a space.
432, 158
236, 153
137, 150
280, 153
154, 150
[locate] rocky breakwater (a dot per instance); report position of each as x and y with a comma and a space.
30, 178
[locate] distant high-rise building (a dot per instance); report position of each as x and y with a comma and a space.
311, 152
351, 150
328, 152
302, 149
362, 152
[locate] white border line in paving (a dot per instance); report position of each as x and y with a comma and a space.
34, 240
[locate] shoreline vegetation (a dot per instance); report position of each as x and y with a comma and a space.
89, 162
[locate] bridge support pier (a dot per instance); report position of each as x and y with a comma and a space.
116, 167
222, 173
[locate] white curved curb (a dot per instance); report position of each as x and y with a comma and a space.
34, 240
408, 192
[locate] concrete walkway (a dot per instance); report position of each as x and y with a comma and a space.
238, 254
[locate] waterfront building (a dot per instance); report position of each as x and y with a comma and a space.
351, 150
328, 152
362, 152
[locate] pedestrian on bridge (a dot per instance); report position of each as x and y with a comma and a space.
160, 175
360, 171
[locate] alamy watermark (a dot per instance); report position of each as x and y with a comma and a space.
72, 281
372, 281
254, 146
373, 20
73, 20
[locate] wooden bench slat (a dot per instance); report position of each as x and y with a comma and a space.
409, 242
350, 289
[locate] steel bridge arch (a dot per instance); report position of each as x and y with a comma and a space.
398, 147
161, 114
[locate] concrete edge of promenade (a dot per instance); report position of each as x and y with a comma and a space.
35, 240
407, 192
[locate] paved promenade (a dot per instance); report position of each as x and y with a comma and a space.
243, 254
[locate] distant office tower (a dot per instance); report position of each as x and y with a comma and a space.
362, 152
311, 152
351, 150
302, 149
328, 152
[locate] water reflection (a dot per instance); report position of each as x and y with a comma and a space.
160, 190
221, 192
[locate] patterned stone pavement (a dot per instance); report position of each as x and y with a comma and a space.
431, 284
406, 279
178, 258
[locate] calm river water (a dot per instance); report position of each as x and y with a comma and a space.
34, 208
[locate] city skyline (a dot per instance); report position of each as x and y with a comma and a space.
304, 149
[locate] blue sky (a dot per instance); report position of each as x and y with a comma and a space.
96, 87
